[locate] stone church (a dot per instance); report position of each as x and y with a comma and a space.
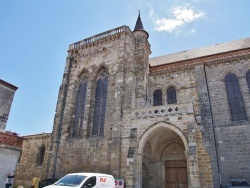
178, 120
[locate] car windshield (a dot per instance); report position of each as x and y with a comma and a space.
239, 183
70, 180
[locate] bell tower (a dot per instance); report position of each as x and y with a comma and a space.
142, 52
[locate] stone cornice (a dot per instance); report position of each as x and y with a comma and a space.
37, 136
101, 38
202, 60
6, 84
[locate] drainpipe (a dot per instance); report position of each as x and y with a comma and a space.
71, 60
215, 141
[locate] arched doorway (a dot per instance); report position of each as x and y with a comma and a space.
164, 162
175, 165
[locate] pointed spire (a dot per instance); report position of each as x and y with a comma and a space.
138, 25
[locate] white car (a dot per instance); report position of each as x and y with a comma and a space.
85, 180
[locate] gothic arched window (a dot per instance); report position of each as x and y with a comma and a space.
100, 103
40, 155
157, 97
171, 95
80, 107
248, 79
234, 98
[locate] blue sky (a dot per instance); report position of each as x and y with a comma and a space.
35, 36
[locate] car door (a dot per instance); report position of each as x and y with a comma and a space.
90, 182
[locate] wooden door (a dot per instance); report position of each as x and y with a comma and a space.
176, 174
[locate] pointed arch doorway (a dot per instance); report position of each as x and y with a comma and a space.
164, 161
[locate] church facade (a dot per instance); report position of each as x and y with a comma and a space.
179, 120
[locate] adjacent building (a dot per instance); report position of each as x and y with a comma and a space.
10, 143
7, 92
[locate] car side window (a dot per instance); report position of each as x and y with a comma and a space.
91, 181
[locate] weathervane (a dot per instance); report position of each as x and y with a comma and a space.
139, 12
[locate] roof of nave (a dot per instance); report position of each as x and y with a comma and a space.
201, 52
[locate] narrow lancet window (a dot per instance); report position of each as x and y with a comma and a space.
234, 98
40, 155
171, 95
100, 103
80, 107
157, 97
248, 79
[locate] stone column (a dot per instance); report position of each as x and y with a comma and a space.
132, 160
138, 173
206, 122
193, 158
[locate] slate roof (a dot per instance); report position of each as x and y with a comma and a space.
138, 25
201, 52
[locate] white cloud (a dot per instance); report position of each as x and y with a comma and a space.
151, 10
179, 17
187, 15
167, 24
151, 13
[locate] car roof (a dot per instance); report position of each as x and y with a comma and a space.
89, 174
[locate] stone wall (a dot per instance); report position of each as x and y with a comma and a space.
233, 151
29, 166
232, 137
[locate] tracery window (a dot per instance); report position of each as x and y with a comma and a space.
80, 107
171, 95
234, 98
100, 103
40, 155
248, 79
157, 97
